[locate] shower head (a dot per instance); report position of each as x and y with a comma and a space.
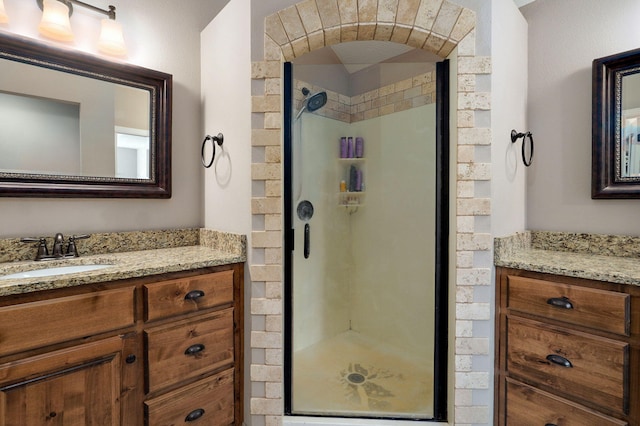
316, 101
313, 102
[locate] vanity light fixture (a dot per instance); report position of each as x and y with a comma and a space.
4, 18
55, 25
55, 20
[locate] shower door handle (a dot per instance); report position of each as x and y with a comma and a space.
306, 241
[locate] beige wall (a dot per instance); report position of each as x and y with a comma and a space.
564, 38
393, 288
159, 37
321, 282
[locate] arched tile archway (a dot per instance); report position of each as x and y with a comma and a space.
440, 27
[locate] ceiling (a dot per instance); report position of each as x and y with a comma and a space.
521, 3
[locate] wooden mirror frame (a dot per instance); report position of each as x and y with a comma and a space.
606, 126
158, 84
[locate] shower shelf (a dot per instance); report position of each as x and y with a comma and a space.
351, 160
351, 199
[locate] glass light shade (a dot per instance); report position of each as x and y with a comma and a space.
55, 21
111, 40
4, 18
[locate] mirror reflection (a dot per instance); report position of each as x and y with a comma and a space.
58, 123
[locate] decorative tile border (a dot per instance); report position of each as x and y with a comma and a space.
438, 26
399, 96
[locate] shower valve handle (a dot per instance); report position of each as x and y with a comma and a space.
306, 241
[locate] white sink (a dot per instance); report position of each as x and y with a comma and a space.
58, 270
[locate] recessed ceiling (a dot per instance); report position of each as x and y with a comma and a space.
521, 3
359, 55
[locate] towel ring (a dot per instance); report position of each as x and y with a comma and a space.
219, 139
515, 136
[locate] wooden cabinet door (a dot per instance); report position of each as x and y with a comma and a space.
74, 386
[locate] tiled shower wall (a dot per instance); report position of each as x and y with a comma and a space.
399, 96
438, 26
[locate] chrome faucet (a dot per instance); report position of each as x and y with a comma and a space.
57, 250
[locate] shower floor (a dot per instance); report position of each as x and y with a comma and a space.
351, 375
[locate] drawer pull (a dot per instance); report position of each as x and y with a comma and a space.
550, 424
194, 415
560, 302
559, 360
194, 295
194, 349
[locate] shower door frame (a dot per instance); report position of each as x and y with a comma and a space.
441, 309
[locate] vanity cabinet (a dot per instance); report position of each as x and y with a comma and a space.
160, 350
567, 351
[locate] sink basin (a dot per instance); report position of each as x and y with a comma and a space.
57, 270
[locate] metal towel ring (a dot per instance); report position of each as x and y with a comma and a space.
219, 139
515, 136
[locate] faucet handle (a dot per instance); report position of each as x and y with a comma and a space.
31, 239
72, 250
42, 245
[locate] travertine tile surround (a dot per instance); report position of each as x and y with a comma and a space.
399, 96
438, 26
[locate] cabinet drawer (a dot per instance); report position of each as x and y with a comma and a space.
208, 402
529, 406
594, 308
168, 298
35, 324
597, 368
186, 349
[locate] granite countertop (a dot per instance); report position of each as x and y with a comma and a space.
208, 248
574, 255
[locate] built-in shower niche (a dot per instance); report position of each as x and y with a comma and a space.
363, 322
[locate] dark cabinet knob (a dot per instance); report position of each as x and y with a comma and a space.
130, 359
194, 349
194, 295
194, 415
560, 302
559, 360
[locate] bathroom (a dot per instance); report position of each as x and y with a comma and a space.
500, 197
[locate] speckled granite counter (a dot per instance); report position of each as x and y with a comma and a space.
608, 258
213, 249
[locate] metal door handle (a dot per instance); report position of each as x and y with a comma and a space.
306, 241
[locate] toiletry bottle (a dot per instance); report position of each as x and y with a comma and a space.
353, 176
343, 186
343, 147
350, 147
359, 147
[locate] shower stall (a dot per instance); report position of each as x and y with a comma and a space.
366, 231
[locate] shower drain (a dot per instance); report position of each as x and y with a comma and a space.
356, 378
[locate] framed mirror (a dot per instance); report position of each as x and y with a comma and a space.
616, 126
75, 125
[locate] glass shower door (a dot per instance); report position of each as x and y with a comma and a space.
361, 177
